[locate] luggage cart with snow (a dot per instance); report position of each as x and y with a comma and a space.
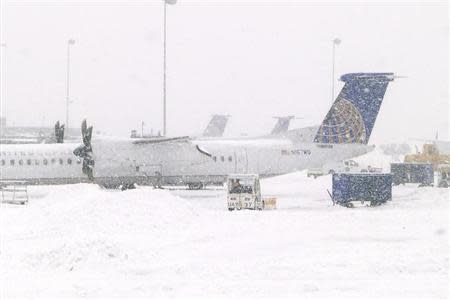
359, 187
244, 192
14, 192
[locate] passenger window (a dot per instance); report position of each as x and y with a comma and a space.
69, 161
45, 162
53, 161
12, 162
222, 158
214, 158
21, 162
3, 162
29, 162
230, 159
61, 161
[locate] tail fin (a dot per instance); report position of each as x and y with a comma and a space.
353, 114
282, 124
216, 126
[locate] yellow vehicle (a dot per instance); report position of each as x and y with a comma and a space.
430, 154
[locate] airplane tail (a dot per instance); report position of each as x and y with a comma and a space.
282, 125
216, 126
353, 113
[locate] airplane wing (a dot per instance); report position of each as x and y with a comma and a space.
160, 140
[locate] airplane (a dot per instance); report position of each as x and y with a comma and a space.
344, 133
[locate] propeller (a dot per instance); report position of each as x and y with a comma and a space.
59, 133
85, 151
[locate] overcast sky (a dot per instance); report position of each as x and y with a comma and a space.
250, 59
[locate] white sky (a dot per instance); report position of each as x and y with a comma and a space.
249, 59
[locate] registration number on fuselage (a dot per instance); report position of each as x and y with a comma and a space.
296, 152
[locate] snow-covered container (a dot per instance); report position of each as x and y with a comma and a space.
373, 188
421, 173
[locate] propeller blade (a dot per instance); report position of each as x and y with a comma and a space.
89, 134
83, 127
59, 133
85, 151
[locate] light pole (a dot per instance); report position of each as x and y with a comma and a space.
165, 66
2, 70
336, 42
70, 43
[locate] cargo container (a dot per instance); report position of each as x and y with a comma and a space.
421, 173
373, 188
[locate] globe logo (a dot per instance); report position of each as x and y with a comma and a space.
343, 124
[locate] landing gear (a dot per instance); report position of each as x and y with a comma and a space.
195, 186
127, 186
443, 184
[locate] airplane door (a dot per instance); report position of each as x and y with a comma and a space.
241, 162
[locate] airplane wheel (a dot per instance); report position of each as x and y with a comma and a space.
443, 184
127, 186
195, 186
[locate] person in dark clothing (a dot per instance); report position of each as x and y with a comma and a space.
157, 184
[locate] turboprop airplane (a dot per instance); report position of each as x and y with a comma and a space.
344, 133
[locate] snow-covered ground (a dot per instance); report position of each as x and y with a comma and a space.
81, 240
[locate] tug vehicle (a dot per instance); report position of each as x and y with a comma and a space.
244, 192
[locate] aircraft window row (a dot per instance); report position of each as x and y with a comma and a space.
222, 158
4, 153
45, 162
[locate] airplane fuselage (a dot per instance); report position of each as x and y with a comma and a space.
208, 162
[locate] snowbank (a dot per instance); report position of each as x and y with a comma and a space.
83, 241
85, 229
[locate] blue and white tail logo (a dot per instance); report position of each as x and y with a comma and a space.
353, 114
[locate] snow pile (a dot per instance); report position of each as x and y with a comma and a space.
83, 228
83, 241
